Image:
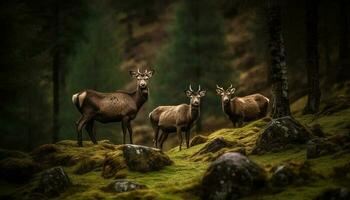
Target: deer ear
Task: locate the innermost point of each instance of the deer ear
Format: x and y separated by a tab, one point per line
202	93
133	73
188	93
219	91
232	90
150	73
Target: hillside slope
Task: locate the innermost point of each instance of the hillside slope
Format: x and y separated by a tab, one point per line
182	179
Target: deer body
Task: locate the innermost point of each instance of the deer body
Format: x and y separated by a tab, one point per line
119	106
243	109
179	118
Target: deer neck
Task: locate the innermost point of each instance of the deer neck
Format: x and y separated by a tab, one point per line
226	107
194	113
140	97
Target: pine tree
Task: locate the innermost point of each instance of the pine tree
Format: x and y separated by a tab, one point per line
277	67
195	55
314	92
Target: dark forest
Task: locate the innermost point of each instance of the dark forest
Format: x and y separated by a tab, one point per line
184	99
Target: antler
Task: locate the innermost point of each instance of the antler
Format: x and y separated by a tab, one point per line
191	88
199	88
230	86
138	71
220	88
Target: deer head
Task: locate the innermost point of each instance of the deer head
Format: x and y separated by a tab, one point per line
225	94
195	97
142	78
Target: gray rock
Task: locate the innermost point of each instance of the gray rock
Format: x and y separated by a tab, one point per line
122	185
53	181
282	176
231	176
279	134
144	159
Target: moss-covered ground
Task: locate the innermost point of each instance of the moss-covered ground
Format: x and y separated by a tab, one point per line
180	180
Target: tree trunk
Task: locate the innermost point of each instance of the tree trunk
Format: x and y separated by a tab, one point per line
344	58
277	67
314	93
56	75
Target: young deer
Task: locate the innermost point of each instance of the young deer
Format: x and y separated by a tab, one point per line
119	106
177	119
242	109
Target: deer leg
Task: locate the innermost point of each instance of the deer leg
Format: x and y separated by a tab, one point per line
188	138
90	129
163	137
155	140
79	127
179	135
124	130
128	125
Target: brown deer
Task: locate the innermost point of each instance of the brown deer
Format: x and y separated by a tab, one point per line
118	106
242	109
179	118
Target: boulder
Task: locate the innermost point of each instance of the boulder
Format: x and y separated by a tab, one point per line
215	145
279	134
122	185
282	176
339	193
198	139
319	147
53	182
231	176
144	159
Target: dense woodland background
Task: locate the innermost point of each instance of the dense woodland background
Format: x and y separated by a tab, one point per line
51	49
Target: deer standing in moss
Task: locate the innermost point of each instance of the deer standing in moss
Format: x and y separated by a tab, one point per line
118	106
242	109
179	118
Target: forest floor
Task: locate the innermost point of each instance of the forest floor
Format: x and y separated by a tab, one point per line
182	179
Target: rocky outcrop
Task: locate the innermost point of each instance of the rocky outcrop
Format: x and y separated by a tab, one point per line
279	134
291	172
53	182
122	185
144	159
231	176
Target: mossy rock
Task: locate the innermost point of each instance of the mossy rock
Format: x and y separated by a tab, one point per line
231	176
279	134
112	164
198	139
18	169
144	159
122	185
52	182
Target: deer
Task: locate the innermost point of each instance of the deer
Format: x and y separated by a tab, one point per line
242	109
119	106
177	118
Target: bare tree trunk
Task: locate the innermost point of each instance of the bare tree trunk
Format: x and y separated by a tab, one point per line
344	58
56	75
312	66
277	67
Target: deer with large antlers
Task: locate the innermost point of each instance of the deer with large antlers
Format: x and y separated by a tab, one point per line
242	109
179	118
119	106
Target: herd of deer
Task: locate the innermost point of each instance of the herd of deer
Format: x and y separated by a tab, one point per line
122	106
